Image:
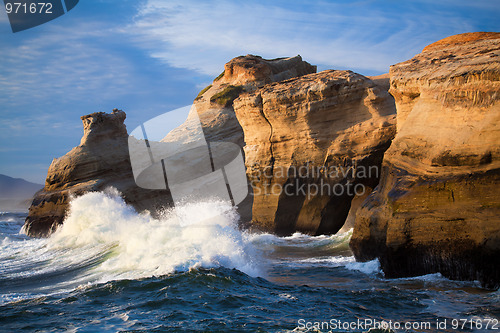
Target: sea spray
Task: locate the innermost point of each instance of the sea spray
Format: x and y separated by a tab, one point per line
140	246
54	283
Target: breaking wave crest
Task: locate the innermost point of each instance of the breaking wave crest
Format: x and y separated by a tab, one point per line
103	239
139	246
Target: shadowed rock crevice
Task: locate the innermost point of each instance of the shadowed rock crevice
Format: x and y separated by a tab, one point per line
271	153
332	120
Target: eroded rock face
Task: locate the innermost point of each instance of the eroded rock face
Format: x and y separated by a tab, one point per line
437	208
214	104
255	71
100	161
310	133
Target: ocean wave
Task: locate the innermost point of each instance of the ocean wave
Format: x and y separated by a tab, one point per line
301	240
142	246
10	217
369	267
103	239
300	251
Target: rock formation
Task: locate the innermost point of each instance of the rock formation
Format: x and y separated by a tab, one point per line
102	158
100	161
383	81
437	208
308	140
214	104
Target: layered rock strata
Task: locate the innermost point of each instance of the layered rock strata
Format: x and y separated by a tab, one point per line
437	208
311	143
214	104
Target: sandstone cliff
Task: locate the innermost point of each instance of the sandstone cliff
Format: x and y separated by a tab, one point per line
214	104
101	160
305	137
437	208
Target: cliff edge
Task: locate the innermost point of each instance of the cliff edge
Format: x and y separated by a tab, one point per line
437	207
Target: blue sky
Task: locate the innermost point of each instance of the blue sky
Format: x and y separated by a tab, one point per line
151	56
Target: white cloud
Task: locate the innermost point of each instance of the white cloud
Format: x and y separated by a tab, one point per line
203	35
41	123
62	64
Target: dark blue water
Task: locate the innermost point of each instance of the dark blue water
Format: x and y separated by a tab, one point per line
58	285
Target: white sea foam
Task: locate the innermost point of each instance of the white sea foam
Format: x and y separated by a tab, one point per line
329	261
348	262
369	267
434	277
311	245
141	246
104	239
301	240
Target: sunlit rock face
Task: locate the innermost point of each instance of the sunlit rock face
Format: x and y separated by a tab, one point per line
214	104
304	138
437	208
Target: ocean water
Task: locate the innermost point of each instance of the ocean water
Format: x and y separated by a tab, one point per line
109	269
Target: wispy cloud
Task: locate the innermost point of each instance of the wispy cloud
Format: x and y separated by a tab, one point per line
49	77
109	53
64	63
40	123
370	35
